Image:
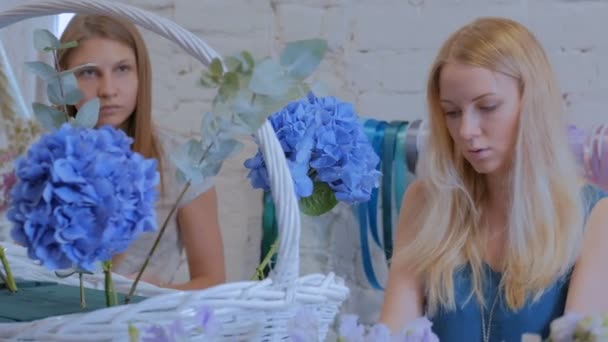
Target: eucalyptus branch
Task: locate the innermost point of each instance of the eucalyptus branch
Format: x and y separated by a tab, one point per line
61	92
162	230
259	271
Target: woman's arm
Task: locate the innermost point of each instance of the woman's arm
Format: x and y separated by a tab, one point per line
202	238
403	297
587	291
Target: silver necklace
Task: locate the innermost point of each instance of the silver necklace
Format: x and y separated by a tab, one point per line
487	327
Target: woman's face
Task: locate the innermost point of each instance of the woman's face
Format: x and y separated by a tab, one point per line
112	78
481	109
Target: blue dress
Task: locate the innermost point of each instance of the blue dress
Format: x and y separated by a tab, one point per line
464	322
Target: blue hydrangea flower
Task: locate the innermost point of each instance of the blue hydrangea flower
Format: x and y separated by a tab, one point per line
81	196
323	141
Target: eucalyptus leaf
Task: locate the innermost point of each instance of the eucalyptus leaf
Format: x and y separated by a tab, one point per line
247	61
42	70
215	68
269	78
320	202
49	117
209	125
233	64
64	90
230	86
302	57
186	160
44	40
88	114
208	81
210	168
67	45
226	149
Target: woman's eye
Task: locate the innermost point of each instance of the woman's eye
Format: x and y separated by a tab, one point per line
124	68
86	73
452	112
488	108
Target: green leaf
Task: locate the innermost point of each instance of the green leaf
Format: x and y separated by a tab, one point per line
208	81
44	40
302	57
269	78
230	86
67	45
186	160
225	149
42	70
64	90
320	202
247	61
233	64
133	333
88	114
215	68
49	117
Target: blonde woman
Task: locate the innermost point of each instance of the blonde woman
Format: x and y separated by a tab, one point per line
498	236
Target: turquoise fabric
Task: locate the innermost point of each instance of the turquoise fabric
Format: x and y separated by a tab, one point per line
464	322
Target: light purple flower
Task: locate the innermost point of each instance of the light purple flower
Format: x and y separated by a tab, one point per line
350	330
379	333
562	329
304	327
207	321
156	333
419	330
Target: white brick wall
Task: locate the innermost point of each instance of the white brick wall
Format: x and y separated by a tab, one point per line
379	54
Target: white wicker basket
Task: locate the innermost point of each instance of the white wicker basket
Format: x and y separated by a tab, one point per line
248	310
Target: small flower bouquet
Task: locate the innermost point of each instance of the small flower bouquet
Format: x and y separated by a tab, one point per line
329	155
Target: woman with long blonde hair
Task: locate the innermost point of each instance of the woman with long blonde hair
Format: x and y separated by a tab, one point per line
112	64
498	236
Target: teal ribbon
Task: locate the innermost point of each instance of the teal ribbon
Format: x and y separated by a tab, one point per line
400	168
375	133
270	230
389	182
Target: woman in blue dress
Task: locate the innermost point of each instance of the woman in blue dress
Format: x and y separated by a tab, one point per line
498	236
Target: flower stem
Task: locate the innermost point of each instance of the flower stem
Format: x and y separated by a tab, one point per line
109	284
259	271
83	301
162	231
156	242
10	281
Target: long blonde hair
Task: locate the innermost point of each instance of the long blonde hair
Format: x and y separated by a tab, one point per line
139	125
545	218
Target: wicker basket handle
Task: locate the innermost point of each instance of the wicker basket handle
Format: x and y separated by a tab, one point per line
281	183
